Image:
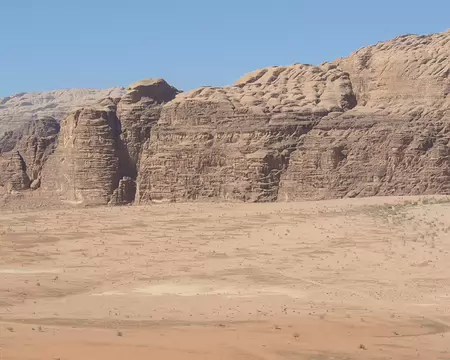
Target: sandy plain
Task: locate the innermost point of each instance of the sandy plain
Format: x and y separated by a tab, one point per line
340	279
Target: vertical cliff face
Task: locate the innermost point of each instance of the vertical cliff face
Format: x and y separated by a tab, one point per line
84	168
37	144
396	141
375	123
138	110
29	127
26	151
361	156
234	143
13	173
99	146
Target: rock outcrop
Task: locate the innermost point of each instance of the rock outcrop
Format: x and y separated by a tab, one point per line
99	146
28	147
234	142
29	127
138	110
125	192
13	173
396	141
375	123
19	109
84	168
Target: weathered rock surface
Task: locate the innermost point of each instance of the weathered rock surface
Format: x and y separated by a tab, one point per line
17	110
234	142
396	141
99	146
37	143
375	123
13	173
29	127
30	146
84	168
138	110
125	192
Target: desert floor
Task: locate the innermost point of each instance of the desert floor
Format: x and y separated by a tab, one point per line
341	279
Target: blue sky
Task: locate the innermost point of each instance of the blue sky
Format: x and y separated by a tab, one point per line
57	44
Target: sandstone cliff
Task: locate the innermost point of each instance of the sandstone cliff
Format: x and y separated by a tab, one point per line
84	168
396	141
17	110
138	110
99	146
375	123
235	142
29	127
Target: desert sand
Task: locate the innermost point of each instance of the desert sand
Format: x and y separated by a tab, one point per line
364	278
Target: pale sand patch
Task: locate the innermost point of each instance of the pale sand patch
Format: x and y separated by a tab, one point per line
19	271
213	289
109	293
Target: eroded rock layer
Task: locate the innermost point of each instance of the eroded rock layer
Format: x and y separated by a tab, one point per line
18	109
13	173
138	110
84	168
396	141
375	123
28	148
100	145
29	127
234	143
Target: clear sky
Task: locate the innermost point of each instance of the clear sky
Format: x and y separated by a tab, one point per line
58	44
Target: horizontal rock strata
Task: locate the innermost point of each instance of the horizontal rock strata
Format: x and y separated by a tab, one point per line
374	123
